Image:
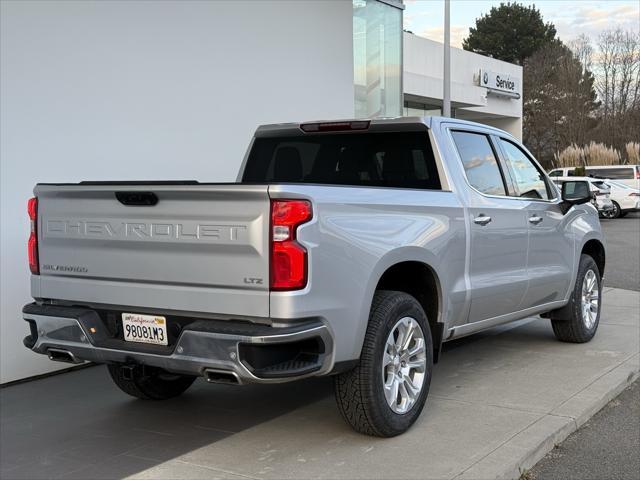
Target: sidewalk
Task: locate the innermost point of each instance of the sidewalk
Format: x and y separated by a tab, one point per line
498	402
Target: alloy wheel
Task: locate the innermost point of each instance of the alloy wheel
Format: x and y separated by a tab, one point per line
404	364
590	299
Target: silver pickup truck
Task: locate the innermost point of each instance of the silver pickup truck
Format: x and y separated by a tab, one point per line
351	248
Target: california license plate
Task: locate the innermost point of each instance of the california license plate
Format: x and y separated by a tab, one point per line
144	328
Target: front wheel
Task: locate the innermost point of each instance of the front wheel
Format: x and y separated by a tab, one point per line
149	383
384	395
584	307
615	212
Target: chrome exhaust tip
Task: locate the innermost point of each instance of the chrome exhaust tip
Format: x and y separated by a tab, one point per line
226	377
59	355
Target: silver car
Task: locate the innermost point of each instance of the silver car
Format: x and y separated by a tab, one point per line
353	248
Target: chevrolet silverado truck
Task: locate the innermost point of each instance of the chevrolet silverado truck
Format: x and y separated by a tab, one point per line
351	248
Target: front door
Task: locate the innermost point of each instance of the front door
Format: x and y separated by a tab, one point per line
551	245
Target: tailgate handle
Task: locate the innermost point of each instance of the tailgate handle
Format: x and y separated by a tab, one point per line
137	199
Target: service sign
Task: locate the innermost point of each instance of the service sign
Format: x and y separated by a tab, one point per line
500	83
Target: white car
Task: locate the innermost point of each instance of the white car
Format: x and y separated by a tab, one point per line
624	198
627	174
599	189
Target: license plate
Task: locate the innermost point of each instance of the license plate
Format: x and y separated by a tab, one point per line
144	328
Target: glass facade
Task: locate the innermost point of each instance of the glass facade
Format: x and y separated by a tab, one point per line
377	59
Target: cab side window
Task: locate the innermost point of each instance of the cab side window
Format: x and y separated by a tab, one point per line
480	163
529	180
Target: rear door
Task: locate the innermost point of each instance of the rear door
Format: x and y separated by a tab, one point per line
551	245
499	232
184	247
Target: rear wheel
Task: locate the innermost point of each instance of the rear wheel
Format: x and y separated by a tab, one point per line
584	308
149	383
385	393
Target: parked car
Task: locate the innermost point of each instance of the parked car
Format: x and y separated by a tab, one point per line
624	199
599	189
351	248
627	174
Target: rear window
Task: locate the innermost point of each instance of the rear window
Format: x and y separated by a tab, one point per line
622	173
383	159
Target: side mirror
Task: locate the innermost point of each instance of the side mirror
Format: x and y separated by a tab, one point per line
575	193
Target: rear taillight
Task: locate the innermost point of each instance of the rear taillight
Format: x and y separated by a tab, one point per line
637	173
288	257
32	208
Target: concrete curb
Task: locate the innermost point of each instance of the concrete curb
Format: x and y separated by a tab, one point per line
525	449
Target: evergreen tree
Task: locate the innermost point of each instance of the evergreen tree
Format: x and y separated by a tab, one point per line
510	32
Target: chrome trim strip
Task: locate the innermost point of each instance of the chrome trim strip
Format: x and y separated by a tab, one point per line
473	327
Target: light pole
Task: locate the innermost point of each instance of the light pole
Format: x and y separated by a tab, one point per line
446	76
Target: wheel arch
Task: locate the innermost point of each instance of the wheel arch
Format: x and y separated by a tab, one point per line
595	249
418	277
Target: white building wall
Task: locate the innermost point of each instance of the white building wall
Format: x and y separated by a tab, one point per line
110	90
423	71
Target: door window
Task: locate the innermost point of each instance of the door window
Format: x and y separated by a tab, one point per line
480	163
530	181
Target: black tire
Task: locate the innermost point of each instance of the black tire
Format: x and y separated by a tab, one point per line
360	392
574	327
150	383
615	213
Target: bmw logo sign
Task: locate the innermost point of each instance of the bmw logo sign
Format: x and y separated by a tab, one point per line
485	78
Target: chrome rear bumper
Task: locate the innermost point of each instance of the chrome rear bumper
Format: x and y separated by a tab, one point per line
198	350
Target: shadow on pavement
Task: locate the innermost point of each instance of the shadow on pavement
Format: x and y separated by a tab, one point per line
79	425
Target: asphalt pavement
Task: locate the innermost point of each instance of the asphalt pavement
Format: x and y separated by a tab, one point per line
623	251
607	446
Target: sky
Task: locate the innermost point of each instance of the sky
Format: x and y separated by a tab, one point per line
571	17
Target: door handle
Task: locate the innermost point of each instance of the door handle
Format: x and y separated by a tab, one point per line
535	219
482	220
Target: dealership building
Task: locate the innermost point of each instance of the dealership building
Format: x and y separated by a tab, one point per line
173	90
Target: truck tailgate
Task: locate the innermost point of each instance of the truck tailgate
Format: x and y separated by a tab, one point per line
200	248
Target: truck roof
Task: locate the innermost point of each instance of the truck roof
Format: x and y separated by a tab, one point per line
375	124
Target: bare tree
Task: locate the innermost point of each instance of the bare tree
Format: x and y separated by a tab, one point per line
617	70
583	50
